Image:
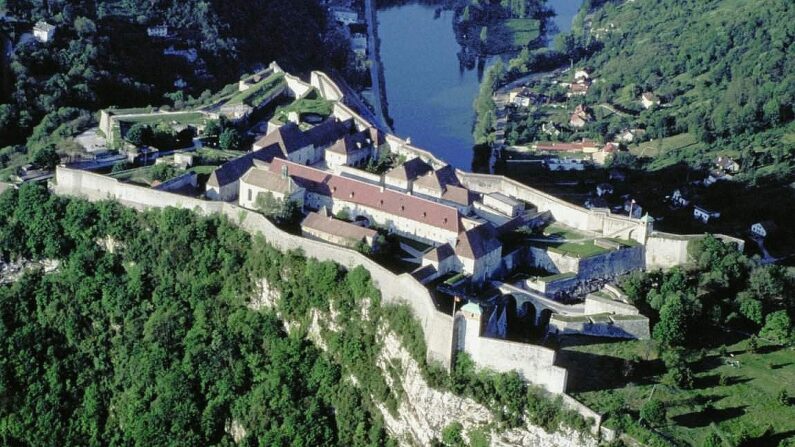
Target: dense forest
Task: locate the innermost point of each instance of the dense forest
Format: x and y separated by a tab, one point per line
143	336
101	54
722	70
149	330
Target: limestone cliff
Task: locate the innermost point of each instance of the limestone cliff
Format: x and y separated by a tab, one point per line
423	412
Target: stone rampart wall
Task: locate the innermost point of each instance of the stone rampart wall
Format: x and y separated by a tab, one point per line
633	327
595	304
595	222
535	363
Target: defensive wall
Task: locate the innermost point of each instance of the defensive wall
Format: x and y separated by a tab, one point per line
583	219
534	362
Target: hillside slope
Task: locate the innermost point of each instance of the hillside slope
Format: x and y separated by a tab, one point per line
723	70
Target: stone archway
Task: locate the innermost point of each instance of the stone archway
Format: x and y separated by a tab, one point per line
543	319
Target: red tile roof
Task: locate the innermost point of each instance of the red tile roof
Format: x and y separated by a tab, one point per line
336	227
372	196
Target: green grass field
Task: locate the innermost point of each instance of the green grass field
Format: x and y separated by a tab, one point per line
186	118
728	397
257	93
583	249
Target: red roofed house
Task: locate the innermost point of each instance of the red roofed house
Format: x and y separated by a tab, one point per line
408	215
306	147
327	228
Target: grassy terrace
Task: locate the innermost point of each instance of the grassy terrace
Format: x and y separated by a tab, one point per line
739	398
583	249
318	106
153	119
558	277
257	93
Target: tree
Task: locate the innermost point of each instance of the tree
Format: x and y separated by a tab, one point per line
671	330
712	440
451	434
653	412
778	327
213	128
139	134
46	158
229	139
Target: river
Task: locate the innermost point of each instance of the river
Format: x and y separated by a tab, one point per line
429	94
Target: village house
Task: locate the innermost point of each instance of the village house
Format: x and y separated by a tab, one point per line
157	31
522	97
564	164
680	197
579	89
345	16
580	117
600	157
763	229
43	31
649	100
604	189
727	164
596	203
584	145
322	226
630	135
581	75
550	129
632	208
704	215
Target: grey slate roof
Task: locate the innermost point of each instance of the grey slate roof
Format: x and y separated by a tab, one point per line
477	242
232	170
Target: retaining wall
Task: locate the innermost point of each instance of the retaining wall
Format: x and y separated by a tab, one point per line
583	219
532	361
618	326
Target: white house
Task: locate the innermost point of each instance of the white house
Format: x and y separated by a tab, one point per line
259	181
581	75
649	100
346	16
604	189
763	229
157	31
43	31
680	198
703	215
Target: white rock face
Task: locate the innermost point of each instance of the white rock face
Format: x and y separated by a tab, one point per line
265	297
424	412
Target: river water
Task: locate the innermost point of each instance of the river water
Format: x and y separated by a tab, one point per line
429	93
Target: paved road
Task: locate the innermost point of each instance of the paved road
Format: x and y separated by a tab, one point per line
375	64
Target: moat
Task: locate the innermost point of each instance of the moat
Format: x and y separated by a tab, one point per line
429	93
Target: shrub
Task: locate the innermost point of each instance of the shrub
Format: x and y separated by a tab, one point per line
653	412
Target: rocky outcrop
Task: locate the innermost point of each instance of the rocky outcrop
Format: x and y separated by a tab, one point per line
424	412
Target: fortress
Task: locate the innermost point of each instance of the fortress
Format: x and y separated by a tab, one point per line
463	217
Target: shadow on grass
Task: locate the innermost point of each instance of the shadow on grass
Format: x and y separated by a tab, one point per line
594	372
713	381
708	416
769	440
780	365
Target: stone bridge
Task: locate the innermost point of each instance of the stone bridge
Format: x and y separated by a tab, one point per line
542	307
